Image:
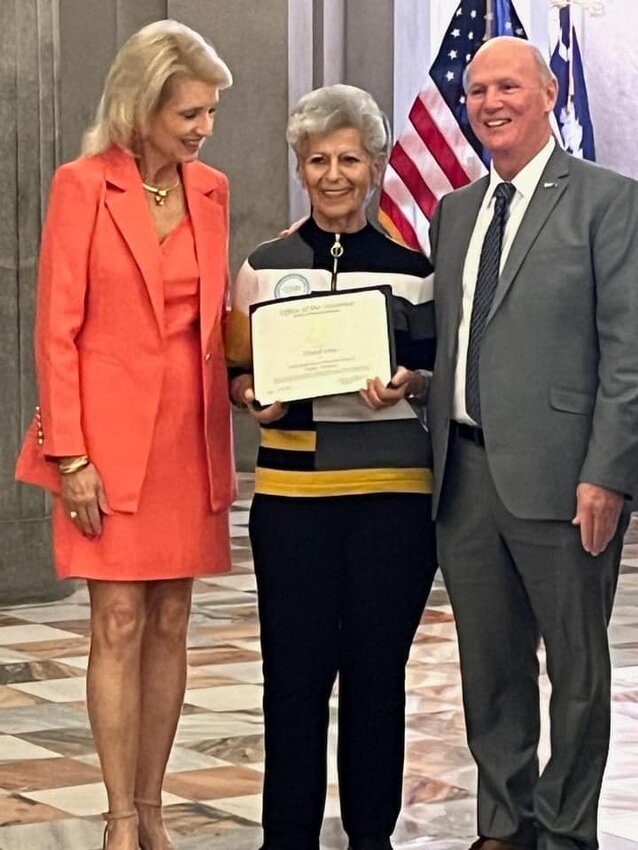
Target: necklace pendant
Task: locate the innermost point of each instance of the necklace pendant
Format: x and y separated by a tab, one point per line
159	195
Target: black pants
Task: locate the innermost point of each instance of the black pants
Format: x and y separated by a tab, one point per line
342	584
512	581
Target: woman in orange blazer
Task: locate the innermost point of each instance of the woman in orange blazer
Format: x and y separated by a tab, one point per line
132	434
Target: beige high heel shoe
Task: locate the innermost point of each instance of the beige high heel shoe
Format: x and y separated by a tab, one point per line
152	804
109	817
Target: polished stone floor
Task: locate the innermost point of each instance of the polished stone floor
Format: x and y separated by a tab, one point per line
50	790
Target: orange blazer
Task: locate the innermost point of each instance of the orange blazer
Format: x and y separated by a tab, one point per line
99	326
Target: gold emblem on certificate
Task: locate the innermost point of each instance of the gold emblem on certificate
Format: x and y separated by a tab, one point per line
321	344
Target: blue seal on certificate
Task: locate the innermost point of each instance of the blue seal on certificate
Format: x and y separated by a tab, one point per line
292	284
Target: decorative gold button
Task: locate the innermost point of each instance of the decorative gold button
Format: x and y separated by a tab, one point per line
40	441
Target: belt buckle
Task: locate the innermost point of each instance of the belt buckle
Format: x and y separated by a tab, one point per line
469	432
476	436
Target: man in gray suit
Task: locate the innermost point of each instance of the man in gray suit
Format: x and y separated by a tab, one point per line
533	410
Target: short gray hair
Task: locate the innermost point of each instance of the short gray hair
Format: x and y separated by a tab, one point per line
339	107
544	71
139	81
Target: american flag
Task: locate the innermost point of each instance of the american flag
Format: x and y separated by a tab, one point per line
438	151
572	106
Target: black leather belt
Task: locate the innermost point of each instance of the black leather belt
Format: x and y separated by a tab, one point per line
467	432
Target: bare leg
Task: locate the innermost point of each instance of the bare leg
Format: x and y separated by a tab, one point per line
113	696
163	683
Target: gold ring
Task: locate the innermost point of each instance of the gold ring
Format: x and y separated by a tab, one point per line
73	514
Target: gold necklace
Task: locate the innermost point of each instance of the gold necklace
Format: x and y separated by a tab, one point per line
159	194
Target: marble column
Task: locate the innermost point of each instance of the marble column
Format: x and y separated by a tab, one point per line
91	31
249	142
28	154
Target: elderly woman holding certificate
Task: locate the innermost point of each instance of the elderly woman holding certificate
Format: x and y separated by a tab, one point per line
340	523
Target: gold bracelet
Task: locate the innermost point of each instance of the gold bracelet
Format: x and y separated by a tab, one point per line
66	467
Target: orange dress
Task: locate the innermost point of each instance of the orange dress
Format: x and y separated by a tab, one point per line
173	534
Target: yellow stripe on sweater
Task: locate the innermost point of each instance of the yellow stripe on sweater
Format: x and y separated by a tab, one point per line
294	441
342	482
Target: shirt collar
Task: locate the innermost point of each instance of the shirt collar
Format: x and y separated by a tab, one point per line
526	181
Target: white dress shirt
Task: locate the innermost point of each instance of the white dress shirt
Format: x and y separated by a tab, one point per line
525	184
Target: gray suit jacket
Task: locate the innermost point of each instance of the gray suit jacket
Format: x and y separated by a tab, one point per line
559	360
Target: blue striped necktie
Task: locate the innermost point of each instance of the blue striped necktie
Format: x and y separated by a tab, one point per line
486	283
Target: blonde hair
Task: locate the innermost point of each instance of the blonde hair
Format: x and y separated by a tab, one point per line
139	81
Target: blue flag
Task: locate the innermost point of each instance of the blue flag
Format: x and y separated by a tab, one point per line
572	106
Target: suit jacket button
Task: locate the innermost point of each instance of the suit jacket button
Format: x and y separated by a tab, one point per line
207	356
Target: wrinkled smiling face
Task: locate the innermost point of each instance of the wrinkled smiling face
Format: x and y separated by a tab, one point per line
338	174
177	131
509	103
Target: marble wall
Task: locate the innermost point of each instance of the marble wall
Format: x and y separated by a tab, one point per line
29	150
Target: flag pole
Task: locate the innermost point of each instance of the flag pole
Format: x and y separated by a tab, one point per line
489	20
570	56
569	106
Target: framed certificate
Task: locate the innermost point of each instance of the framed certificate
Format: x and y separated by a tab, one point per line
321	344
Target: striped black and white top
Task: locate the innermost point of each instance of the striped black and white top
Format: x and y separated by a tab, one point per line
336	445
